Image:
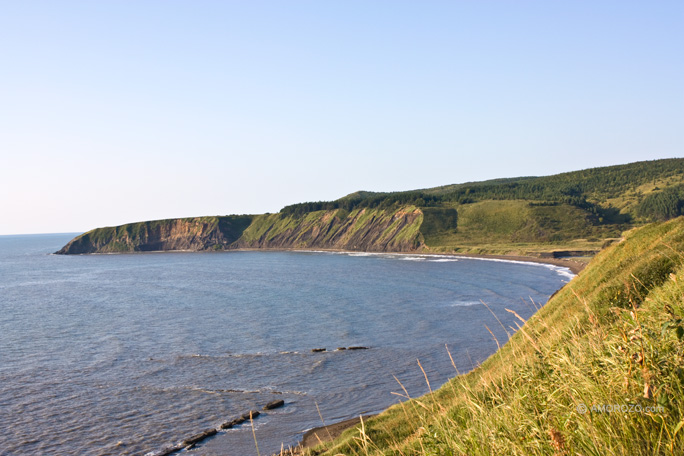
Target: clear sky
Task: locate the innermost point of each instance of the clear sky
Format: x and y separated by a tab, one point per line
120	111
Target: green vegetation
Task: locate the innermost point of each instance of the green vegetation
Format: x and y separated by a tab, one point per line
612	193
614	336
497	226
576	212
663	205
360	229
199	233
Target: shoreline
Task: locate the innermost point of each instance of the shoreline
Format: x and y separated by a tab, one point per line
574	265
329	432
325	433
322	434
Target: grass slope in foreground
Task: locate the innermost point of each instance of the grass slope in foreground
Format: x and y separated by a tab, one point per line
612	336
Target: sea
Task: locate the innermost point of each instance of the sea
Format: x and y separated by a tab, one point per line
128	354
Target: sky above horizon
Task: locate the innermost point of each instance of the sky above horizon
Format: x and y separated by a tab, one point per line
117	112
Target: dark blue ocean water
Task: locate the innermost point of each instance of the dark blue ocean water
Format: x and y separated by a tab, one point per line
124	354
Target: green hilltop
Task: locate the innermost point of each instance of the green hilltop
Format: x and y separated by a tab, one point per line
574	213
577	210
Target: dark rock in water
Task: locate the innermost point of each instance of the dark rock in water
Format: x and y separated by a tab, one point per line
168	451
245	416
317	350
190	447
199	437
227	425
238	420
358	348
340	348
274	404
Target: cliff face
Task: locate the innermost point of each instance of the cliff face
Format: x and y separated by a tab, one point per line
370	230
373	230
201	233
492	224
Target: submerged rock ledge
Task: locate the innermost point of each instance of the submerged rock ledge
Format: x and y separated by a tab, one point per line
190	442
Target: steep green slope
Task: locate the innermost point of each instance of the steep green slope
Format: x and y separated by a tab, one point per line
362	229
598	370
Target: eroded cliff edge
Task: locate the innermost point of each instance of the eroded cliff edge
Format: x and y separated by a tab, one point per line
373	230
199	233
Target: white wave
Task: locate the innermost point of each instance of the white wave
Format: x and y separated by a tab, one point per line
464	303
560	270
566	273
332	252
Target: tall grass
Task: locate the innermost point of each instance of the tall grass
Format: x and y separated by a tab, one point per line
598	370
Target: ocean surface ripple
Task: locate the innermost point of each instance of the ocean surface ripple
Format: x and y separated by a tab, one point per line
127	354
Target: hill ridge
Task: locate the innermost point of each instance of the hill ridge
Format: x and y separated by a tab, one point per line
571	211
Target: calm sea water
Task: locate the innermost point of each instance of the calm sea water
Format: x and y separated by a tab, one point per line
124	354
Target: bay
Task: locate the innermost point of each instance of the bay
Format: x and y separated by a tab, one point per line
124	354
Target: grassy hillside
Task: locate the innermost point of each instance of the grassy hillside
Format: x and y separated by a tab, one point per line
392	229
612	337
522	227
576	212
613	194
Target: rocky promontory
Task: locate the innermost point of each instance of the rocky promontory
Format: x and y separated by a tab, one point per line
375	230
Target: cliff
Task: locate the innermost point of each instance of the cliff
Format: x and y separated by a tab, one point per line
376	230
495	227
577	212
201	233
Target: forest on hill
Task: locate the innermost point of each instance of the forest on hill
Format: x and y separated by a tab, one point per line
641	191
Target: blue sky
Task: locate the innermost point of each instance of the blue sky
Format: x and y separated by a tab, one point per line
121	111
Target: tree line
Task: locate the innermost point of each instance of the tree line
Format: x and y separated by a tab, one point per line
584	189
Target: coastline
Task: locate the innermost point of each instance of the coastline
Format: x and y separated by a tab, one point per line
574	265
329	432
314	436
322	434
